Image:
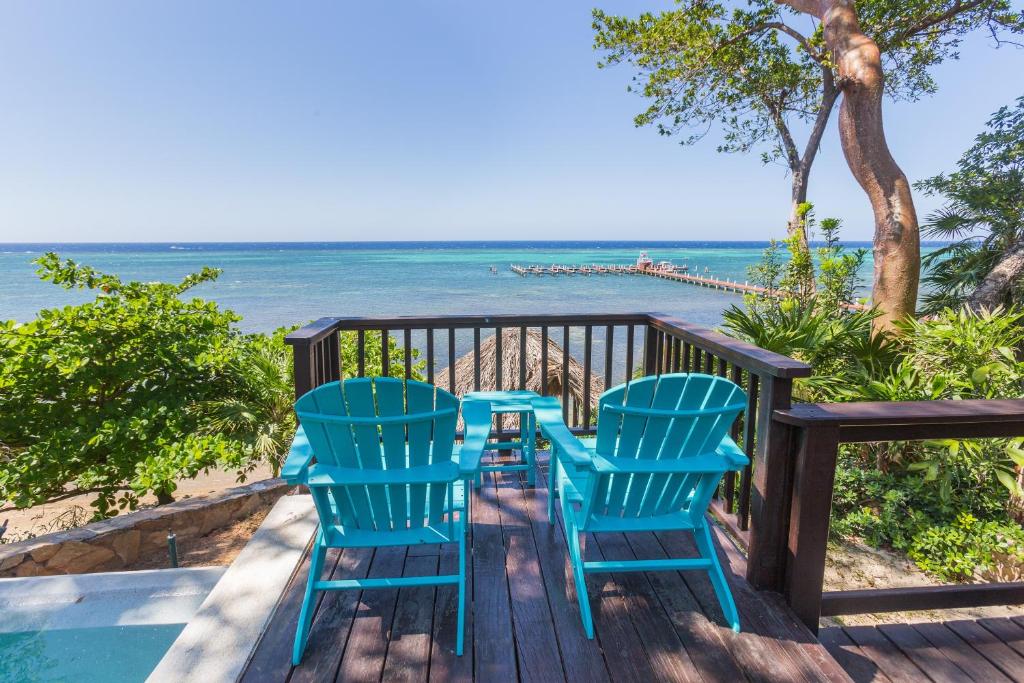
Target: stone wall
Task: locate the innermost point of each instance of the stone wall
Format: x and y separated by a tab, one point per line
116	543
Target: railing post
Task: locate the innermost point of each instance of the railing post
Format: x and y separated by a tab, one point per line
650	350
813	479
303	364
773	478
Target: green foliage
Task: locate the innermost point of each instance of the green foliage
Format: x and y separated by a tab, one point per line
802	314
142	387
703	64
95	397
944	535
983	214
752	70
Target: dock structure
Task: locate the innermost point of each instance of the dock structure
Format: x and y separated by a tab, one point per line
725	285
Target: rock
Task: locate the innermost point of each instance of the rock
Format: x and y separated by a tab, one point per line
11	561
45	552
76	557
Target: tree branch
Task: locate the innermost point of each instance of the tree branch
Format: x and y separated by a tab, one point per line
792	156
829	95
782	28
925	24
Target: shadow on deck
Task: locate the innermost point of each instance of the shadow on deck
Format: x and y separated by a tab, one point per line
524	622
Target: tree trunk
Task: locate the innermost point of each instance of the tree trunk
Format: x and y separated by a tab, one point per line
796	224
163	498
897	241
992	291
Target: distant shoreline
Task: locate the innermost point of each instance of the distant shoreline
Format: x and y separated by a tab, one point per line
410	244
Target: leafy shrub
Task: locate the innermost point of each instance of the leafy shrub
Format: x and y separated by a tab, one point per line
140	388
95	397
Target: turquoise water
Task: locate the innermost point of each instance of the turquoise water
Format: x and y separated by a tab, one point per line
85	655
272	285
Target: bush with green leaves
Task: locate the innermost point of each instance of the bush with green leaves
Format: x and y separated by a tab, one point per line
140	388
95	398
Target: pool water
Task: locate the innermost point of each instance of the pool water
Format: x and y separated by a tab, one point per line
85	655
96	627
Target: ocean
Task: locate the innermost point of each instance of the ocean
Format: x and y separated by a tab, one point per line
276	284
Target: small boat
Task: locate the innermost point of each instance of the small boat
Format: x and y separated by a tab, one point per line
643	262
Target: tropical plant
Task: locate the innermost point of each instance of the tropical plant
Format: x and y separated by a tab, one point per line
984	216
94	398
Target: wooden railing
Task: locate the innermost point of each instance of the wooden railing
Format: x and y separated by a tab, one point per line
611	349
809	436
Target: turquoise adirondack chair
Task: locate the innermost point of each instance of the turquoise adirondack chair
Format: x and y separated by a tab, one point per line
662	447
379	458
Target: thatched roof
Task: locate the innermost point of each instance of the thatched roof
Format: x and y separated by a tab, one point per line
511	363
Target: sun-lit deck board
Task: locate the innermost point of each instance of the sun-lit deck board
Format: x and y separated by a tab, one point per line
985	650
525	621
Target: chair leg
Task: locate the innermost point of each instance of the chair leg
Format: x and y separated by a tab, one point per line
316	566
462	595
552	483
718	581
529	441
572	537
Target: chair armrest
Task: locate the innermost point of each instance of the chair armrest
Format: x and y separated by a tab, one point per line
476	419
733	453
299	457
726	458
549	417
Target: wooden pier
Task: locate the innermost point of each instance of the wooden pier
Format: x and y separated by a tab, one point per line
725	285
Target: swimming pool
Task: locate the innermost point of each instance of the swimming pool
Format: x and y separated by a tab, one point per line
96	627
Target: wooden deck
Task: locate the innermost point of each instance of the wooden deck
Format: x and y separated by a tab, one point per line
524	623
983	650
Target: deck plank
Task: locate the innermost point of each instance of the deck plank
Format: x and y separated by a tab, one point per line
536	643
884	653
921	652
333	622
408	655
773	642
704	640
494	656
445	665
1006	630
850	657
272	660
664	649
990	647
959	652
363	659
582	659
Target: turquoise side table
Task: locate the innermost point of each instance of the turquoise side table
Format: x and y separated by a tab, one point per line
508	402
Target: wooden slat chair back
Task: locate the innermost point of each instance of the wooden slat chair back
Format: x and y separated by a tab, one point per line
661	450
671	418
384	475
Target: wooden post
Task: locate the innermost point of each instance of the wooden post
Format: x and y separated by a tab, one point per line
651	350
770	498
813	479
302	361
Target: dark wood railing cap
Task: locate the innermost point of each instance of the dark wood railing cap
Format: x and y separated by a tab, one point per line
733	350
881	413
312	332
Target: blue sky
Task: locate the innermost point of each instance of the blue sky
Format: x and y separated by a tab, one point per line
197	120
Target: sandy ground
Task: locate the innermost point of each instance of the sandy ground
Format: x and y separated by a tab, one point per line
65	514
851	566
219	547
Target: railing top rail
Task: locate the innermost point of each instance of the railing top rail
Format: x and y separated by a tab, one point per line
733	350
891	413
312	332
324	326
